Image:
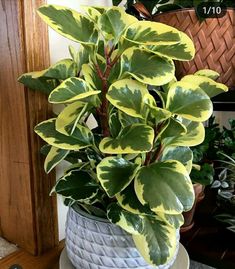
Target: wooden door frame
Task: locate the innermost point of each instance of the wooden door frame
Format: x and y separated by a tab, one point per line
35	50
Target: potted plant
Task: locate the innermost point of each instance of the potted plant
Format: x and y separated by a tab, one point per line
205	33
132	168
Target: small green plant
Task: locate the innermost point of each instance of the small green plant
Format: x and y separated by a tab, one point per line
133	166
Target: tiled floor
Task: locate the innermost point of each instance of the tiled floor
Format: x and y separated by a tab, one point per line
196	265
6	248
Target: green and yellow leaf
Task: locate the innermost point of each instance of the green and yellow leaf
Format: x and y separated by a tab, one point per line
43	84
157	70
208	85
114	22
189	101
136	138
54	157
128	221
128	96
194	134
127	120
128	200
207	73
77	185
165	179
72	89
152	33
157	243
92	13
115	174
69	23
47	131
175	221
181	154
70	115
182	51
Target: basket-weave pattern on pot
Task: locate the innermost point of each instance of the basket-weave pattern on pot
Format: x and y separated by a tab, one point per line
214	39
94	243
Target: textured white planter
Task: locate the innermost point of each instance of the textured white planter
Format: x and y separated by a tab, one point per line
95	243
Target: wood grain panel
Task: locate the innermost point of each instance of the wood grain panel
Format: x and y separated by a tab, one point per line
16	208
37	58
28	215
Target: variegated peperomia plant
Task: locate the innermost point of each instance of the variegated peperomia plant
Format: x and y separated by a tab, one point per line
134	167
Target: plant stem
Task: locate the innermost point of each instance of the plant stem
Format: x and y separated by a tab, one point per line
103	110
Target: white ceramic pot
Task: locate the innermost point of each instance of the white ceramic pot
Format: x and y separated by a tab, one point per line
95	243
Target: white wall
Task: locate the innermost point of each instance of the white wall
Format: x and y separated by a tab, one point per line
59	50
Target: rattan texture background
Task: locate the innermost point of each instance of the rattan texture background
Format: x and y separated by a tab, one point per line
214	39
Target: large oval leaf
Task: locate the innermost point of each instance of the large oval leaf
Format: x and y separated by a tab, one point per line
157	70
69	23
158	241
209	86
136	138
183	51
128	96
152	33
189	101
114	22
165	187
47	131
77	185
115	174
72	89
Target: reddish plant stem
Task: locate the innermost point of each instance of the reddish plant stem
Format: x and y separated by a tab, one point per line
103	110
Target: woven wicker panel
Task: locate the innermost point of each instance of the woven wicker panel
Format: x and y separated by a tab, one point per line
214	40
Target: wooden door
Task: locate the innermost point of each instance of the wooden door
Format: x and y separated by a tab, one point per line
27	213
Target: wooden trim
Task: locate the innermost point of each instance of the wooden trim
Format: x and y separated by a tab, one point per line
49	260
36	50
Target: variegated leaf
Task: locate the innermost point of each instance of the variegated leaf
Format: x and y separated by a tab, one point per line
47	131
127	120
181	154
128	96
128	200
157	243
165	179
183	51
72	89
78	186
128	221
91	77
189	101
207	73
70	115
43	84
92	13
209	86
80	57
135	138
114	22
152	33
175	221
157	70
193	135
114	124
69	23
54	157
115	174
61	70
